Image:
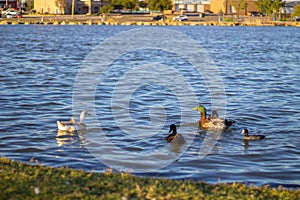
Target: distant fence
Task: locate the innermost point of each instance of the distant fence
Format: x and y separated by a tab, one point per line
124	12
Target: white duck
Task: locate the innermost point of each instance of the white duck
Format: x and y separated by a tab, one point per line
72	125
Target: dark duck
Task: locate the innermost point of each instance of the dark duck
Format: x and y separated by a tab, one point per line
251	137
174	136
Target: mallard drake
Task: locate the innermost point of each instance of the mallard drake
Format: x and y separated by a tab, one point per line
72	125
174	136
251	137
213	121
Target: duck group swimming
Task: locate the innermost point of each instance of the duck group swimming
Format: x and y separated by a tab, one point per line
211	122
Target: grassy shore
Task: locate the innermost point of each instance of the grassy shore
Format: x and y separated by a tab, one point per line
117	19
24	181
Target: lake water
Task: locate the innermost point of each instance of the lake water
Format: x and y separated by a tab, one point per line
134	93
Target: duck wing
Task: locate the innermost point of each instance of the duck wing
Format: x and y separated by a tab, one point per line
63	127
258	137
217	123
170	137
220	123
178	139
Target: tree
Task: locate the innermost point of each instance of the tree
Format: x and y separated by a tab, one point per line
61	5
106	9
29	4
160	5
239	5
277	5
264	6
117	4
129	4
296	11
143	4
269	6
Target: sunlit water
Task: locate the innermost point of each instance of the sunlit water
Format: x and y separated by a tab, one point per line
260	70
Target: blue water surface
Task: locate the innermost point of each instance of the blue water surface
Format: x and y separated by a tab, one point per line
259	67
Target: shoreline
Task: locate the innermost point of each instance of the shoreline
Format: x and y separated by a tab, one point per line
20	180
140	20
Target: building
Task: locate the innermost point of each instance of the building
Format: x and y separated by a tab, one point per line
226	7
80	6
197	6
289	7
9	4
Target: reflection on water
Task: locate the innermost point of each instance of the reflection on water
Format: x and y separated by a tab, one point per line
246	144
176	147
64	137
262	94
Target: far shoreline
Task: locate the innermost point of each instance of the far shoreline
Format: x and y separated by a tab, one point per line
144	20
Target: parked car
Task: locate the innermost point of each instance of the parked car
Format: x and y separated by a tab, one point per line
18	15
209	13
157	17
255	14
181	18
10	16
11	12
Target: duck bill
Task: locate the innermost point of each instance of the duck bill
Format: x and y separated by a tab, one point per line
196	108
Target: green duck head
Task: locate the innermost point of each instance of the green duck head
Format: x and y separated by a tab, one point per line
201	109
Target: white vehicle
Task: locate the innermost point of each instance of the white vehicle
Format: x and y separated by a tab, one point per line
10	16
11	12
181	18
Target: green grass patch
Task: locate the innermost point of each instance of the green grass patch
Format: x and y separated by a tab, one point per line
24	181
